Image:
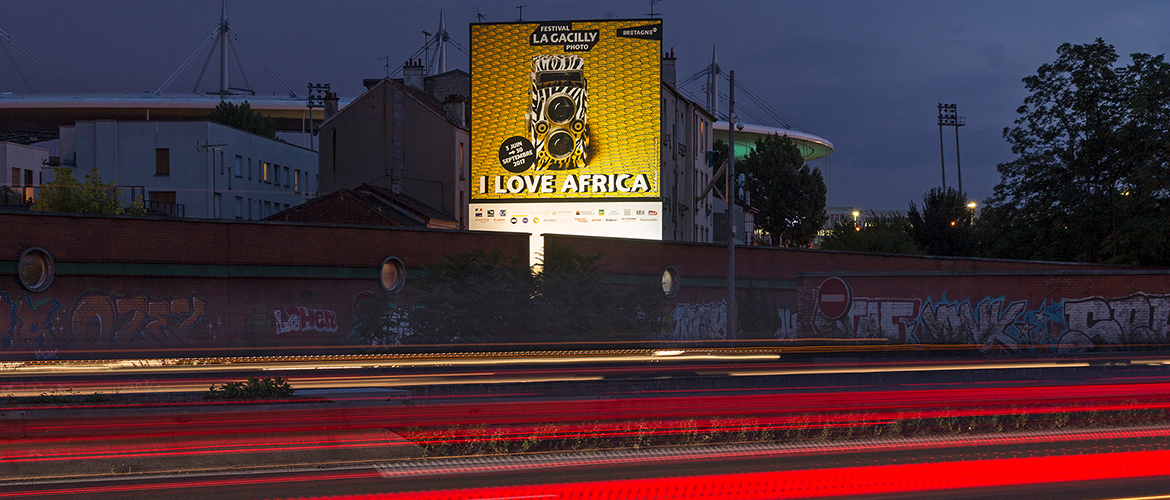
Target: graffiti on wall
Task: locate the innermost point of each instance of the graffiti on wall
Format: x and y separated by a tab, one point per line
108	318
871	318
393	321
702	321
996	323
708	321
789	324
304	319
140	319
98	318
28	325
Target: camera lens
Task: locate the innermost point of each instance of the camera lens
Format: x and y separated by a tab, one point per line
560	144
560	109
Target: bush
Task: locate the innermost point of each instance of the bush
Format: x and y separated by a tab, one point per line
266	388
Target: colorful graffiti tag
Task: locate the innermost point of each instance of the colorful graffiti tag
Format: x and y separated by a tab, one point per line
99	318
103	317
28	325
871	318
995	323
304	319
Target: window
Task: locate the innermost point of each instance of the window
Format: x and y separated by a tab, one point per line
264	172
267	209
461	175
239	166
670	282
239	207
34	268
249	209
221	163
162	161
297	180
216	208
249	174
28	178
285	176
392	274
16	177
164	201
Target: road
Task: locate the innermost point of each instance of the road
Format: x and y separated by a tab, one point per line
181	450
1120	465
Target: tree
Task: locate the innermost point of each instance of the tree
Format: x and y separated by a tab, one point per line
789	195
487	298
944	225
244	118
879	234
1090	181
65	194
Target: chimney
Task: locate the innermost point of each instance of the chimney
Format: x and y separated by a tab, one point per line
412	73
330	105
456	108
668	74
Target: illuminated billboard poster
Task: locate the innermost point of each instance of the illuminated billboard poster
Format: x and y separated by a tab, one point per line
566	110
566	127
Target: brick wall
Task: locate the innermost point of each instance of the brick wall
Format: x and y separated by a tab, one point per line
184	287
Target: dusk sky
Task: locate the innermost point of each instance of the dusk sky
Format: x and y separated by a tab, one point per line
866	75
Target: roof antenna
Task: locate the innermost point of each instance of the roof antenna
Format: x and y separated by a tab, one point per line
521	7
652	13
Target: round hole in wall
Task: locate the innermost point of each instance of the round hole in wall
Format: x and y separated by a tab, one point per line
35	269
393	274
670	281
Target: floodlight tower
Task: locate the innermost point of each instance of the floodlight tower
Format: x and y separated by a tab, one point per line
948	117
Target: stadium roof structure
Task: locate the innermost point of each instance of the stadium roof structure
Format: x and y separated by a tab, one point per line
812	147
39	111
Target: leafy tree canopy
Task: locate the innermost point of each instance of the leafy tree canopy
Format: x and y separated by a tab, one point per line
943	227
65	194
879	233
1091	178
485	298
789	195
244	118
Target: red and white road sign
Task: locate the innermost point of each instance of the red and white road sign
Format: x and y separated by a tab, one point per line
834	298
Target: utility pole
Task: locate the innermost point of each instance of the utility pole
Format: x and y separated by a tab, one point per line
731	209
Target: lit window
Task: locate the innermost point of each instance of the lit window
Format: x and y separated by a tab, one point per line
297	180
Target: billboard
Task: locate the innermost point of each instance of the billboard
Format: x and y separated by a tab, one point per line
566	110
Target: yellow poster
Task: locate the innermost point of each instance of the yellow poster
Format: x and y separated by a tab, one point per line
566	110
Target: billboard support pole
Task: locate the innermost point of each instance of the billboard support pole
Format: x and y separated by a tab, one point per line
731	210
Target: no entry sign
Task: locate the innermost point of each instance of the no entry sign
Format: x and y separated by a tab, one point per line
834	298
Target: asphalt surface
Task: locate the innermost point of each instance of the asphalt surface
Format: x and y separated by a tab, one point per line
567	469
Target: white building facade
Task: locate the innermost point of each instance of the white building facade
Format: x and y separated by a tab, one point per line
686	138
20	167
193	169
